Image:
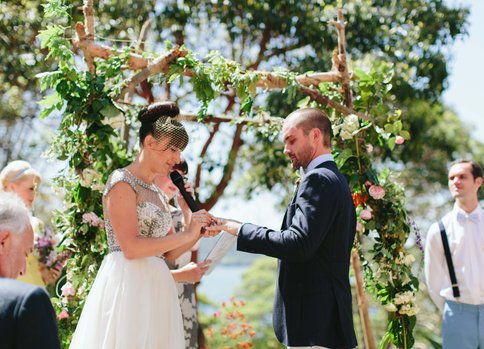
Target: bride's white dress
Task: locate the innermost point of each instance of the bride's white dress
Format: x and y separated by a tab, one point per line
133	304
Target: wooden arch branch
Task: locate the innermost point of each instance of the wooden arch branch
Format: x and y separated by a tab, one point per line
159	65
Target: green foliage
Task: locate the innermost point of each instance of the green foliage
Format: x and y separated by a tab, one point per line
257	289
92	147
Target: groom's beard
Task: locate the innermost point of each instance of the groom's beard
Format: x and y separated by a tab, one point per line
302	159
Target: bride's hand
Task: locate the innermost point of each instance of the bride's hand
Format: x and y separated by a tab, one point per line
199	220
229	225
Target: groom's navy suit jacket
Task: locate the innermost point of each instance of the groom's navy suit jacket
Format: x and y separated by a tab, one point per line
27	319
313	297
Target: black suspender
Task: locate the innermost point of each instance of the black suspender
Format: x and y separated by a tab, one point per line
448	257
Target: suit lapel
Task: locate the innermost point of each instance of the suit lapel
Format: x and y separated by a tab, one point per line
331	165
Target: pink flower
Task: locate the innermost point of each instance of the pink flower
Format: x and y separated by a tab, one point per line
376	192
63	315
92	219
368	183
366	215
399	140
369	148
68	289
360	228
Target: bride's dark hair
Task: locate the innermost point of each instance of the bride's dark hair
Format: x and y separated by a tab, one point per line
159	120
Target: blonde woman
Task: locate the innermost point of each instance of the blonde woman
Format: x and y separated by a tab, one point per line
20	178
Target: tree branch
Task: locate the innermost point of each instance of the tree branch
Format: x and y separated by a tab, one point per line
203	152
159	65
89	19
342	67
93	49
145	90
318	97
89	35
266	35
272	53
228	170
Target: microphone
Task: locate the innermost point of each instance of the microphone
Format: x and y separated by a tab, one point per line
177	179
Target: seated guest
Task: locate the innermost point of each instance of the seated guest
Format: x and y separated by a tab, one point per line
27	319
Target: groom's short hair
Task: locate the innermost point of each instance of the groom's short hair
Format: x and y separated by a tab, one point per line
311	118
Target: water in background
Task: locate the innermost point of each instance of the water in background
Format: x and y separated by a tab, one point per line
220	285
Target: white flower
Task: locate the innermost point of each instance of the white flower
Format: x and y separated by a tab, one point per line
98	187
91	179
348	128
81	290
404	298
390	307
409	259
408	309
114	122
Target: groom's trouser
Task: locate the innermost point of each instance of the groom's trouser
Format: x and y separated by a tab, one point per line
463	326
307	348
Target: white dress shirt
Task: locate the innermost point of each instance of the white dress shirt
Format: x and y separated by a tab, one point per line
315	162
465	234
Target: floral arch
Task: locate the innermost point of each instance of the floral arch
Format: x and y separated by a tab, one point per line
93	134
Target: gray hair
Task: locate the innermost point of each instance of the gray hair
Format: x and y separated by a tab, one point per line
14	216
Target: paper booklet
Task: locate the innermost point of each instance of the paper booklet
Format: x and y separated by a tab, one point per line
219	250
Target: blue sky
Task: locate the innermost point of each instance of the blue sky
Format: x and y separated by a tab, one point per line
465	93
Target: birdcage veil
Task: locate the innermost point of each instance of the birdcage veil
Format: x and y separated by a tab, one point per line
160	120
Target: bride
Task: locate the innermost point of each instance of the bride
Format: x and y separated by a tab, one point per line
133	302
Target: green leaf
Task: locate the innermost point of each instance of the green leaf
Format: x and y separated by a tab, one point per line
391	143
303	102
389	128
342	157
405	134
385	341
110	111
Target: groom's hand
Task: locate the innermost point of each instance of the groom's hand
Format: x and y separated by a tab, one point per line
229	225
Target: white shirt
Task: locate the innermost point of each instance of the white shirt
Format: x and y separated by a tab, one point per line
466	242
318	160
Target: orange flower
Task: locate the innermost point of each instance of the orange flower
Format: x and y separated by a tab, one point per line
359	199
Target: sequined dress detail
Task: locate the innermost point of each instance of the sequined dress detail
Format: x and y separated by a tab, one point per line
133	303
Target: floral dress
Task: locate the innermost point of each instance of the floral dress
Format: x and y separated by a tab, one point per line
186	291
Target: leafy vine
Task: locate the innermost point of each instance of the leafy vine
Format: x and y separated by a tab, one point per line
90	142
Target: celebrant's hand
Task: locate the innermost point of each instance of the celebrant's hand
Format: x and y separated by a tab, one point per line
193	272
231	226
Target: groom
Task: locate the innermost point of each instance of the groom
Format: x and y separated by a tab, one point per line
312	307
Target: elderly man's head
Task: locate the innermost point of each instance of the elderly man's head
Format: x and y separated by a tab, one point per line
16	235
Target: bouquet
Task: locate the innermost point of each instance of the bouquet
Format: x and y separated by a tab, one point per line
45	249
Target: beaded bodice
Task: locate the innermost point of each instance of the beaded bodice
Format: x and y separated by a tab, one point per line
154	217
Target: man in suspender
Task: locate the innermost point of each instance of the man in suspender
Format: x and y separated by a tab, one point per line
455	273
